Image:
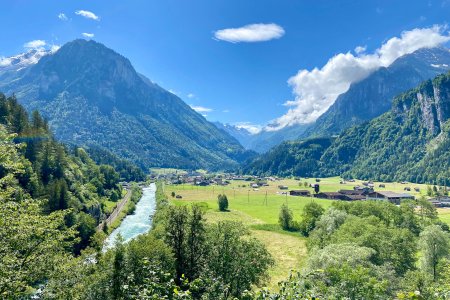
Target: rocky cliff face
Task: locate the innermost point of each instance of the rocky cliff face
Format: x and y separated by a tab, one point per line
373	96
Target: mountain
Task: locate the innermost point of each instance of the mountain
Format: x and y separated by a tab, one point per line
410	142
266	139
93	96
372	96
241	134
297	158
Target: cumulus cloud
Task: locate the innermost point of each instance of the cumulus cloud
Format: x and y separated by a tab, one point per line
250	33
190	95
87	14
88	35
201	109
316	90
62	17
36	44
250	127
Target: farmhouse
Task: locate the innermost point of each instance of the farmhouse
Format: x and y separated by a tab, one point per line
329	195
440	201
283	187
389	196
353	197
305	193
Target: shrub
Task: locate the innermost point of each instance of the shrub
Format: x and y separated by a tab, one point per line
285	217
222	200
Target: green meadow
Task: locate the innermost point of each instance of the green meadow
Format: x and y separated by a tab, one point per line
259	209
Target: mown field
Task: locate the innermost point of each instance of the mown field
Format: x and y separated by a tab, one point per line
259	209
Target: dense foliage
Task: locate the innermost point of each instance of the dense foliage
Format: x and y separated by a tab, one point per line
181	258
372	250
297	158
64	180
409	143
126	169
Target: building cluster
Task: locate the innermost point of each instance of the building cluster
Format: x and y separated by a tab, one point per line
365	192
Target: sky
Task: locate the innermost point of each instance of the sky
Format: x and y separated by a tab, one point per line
250	63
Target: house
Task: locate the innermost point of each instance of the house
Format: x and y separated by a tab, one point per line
329	195
389	196
352	197
203	183
254	185
407	189
352	192
304	193
364	190
440	201
283	187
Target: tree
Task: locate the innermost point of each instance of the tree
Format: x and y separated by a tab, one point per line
285	218
311	213
239	260
222	200
196	244
434	245
176	224
427	211
173	194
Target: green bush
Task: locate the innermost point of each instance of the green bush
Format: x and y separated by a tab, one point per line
222	200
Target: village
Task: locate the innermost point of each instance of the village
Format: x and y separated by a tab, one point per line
354	190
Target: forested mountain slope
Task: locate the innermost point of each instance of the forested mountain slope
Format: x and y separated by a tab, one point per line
49	172
410	142
93	96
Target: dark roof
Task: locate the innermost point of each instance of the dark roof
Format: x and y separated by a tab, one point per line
389	194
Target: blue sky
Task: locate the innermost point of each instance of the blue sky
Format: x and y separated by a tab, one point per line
173	43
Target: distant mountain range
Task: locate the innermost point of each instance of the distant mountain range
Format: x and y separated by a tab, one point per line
93	96
409	142
364	100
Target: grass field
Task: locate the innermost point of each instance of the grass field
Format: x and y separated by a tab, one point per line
259	209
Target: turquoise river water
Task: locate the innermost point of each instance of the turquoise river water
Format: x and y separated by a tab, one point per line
138	223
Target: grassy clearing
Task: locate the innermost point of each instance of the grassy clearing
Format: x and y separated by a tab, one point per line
444	215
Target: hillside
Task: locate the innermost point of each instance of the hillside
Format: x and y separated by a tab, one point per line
93	96
298	158
372	96
410	142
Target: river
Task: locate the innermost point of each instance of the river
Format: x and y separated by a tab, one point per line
138	223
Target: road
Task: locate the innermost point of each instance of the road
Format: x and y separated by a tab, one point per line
116	212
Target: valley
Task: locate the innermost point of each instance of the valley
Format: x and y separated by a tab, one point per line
179	150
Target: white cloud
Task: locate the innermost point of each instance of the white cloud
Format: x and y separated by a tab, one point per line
36	44
190	95
316	90
201	109
226	110
252	128
62	16
54	48
250	33
360	49
88	35
87	14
